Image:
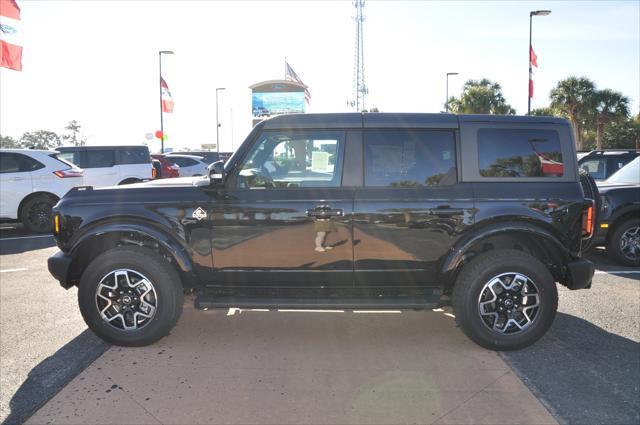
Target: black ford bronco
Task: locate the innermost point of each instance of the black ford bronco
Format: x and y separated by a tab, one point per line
349	211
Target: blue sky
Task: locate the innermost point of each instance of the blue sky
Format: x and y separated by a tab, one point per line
97	61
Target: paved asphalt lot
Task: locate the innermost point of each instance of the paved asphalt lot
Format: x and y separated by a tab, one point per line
585	370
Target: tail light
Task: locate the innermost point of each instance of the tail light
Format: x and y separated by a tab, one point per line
588	223
63	174
154	173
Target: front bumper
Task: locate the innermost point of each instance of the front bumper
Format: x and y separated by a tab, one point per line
580	273
59	264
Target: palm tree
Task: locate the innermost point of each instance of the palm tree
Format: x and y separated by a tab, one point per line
574	97
481	97
610	106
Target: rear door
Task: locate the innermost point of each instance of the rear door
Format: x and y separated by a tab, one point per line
15	181
99	167
284	218
411	209
133	163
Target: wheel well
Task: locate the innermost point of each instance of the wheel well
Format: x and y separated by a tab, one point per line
35	195
536	246
99	244
129	181
624	217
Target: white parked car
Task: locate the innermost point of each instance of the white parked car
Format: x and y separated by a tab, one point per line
31	183
110	165
190	165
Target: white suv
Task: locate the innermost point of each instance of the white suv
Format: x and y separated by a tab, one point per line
110	165
31	182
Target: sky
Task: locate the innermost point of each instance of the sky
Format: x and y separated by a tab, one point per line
97	61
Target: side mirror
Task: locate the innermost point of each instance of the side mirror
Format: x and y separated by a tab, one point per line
216	173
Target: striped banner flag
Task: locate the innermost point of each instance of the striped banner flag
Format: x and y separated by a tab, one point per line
10	35
167	100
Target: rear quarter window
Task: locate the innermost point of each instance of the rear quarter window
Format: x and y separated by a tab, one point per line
504	152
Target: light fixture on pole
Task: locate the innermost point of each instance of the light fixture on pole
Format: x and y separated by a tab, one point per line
529	91
160	53
217	122
446	103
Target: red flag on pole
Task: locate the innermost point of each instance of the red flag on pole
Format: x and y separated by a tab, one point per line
531	86
167	100
533	57
10	35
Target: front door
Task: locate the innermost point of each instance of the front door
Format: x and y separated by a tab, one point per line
284	219
411	209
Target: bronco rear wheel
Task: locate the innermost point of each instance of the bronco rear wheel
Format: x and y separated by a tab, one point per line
130	296
505	299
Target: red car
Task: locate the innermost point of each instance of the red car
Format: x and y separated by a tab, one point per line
167	168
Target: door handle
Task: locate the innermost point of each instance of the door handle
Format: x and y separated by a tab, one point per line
325	211
445	211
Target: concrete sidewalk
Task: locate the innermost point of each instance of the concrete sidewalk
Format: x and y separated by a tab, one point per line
300	367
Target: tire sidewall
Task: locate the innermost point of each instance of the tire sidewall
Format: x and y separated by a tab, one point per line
614	243
168	295
548	297
27	207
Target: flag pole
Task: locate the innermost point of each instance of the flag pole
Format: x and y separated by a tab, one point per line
161	122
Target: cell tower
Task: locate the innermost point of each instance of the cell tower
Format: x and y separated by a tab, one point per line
359	88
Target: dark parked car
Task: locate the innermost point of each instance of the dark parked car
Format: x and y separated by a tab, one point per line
618	227
343	211
603	164
167	168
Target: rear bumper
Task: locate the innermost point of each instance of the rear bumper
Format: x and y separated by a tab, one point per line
59	264
580	273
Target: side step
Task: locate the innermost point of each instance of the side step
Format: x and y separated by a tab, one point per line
203	302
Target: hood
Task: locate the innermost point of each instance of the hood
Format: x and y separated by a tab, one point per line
172	182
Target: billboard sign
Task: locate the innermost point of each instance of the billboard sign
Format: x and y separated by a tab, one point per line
265	104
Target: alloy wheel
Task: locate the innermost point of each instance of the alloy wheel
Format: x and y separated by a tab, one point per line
630	243
509	303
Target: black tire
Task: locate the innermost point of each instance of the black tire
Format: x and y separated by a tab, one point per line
36	214
168	295
614	243
470	285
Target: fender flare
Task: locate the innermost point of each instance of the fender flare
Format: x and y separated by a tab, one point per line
458	252
177	250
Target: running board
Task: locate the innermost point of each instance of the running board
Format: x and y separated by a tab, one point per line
204	303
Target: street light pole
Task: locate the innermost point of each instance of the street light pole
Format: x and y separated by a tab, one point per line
531	15
217	122
160	53
446	103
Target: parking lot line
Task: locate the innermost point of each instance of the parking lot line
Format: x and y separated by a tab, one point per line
13	270
26	237
617	271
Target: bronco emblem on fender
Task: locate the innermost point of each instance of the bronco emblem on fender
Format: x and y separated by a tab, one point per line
199	213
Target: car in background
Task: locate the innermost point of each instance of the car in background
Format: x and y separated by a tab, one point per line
166	169
618	223
190	165
110	165
31	183
207	156
604	163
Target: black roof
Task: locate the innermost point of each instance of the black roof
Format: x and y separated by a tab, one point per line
385	119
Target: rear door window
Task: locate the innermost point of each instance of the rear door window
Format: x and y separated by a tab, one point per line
504	152
99	158
133	156
17	163
596	167
409	158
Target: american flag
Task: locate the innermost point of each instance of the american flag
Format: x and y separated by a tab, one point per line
291	75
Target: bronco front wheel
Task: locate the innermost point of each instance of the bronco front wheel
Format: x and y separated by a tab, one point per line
505	299
130	296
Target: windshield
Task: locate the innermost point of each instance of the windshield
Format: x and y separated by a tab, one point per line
630	173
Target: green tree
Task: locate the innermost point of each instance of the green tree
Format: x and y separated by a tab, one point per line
623	134
574	97
609	106
8	142
547	111
73	137
481	97
41	139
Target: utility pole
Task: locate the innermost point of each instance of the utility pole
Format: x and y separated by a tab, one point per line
359	87
217	121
